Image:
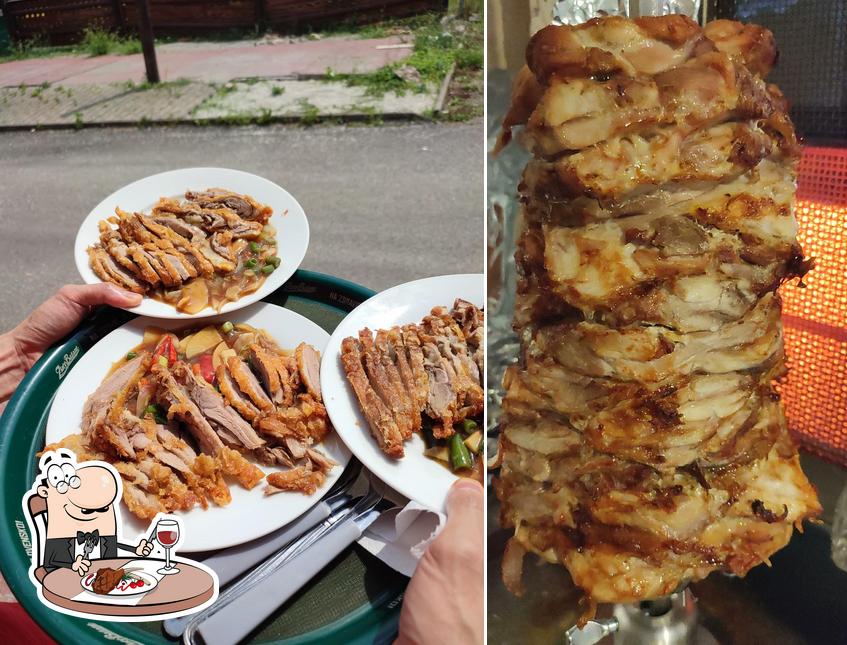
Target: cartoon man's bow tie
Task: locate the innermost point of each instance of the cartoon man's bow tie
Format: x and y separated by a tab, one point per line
89	538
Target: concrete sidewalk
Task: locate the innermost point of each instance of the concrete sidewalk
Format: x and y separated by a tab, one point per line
214	62
233	83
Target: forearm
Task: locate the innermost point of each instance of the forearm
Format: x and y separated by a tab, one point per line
13	366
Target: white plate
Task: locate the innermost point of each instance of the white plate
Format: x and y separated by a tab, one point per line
87	582
292	228
416	476
250	514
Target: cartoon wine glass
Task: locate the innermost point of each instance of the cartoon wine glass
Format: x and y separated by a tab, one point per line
167	534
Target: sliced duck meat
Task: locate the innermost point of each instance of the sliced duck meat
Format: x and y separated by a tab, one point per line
309	367
117	248
234	396
443	331
441	398
139	495
221	264
320	461
274	456
189	254
243	205
401	359
169	274
248	383
379	416
209	479
98	403
216	411
183	408
306	421
193	234
105	267
268	367
412	343
149	266
383	384
220	243
296	448
183	270
175	444
388	358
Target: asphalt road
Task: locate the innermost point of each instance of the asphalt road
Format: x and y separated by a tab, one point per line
385	204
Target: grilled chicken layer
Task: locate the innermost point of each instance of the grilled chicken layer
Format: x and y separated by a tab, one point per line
642	442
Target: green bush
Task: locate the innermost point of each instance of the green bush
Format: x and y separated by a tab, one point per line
98	42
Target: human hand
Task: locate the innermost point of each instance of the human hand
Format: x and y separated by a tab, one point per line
444	600
81	565
144	548
51	321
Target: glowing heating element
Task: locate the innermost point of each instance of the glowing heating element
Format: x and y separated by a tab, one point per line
815	318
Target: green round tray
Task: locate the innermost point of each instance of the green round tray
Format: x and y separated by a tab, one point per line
356	599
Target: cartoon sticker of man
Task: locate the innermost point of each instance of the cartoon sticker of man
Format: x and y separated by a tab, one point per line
81	521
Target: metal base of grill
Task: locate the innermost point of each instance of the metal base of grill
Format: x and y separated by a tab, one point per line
672	620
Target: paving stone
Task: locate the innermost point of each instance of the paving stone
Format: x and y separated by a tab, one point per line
213	62
123	103
296	98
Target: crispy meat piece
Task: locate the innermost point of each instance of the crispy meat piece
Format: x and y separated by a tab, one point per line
233	464
577	113
234	396
248	383
412	344
106	580
299	479
380	418
105	267
394	344
386	384
385	352
613	168
309	366
272	371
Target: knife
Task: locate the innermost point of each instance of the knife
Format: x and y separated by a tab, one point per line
238	618
187	624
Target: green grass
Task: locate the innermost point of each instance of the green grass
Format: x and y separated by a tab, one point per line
98	42
277	90
436	48
311	114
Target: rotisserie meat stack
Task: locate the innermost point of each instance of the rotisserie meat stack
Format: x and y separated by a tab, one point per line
643	444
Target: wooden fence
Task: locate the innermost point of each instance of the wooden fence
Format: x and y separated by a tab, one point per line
63	21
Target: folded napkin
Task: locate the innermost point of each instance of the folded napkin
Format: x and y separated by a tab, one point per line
401	535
